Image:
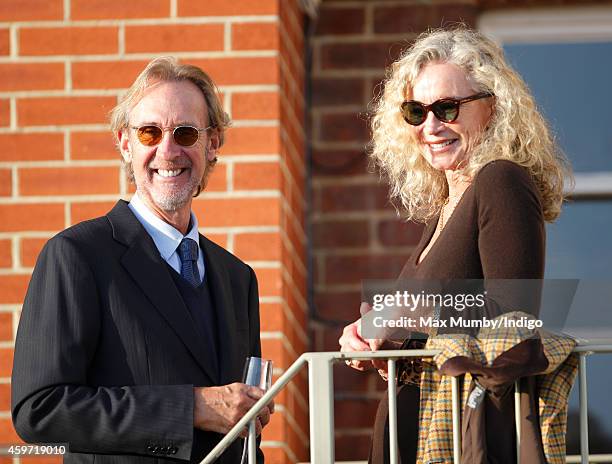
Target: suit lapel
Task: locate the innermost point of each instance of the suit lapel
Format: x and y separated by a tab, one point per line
144	264
230	364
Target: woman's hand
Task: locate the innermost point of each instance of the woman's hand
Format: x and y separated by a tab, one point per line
352	341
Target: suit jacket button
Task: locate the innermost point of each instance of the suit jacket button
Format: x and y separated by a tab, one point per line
150	448
173	450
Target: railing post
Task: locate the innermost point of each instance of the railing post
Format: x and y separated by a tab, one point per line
252	443
584	412
392	391
321	407
517	418
456	405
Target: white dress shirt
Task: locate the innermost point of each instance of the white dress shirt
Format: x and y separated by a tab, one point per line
166	237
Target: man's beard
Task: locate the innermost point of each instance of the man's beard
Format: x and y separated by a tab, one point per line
170	199
175	199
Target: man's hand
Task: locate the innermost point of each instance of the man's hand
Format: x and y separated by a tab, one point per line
218	409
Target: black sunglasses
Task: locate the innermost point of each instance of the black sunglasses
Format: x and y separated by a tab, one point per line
185	136
445	109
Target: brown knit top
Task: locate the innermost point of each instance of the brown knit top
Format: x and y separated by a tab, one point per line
495	232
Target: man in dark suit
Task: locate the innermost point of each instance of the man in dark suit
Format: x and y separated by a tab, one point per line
135	328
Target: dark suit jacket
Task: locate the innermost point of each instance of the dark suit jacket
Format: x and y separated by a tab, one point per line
107	355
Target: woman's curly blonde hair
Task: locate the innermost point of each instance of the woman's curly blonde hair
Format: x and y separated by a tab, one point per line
516	132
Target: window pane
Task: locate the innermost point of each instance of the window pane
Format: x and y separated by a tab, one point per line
578	245
571	83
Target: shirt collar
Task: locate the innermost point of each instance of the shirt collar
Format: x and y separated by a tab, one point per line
165	236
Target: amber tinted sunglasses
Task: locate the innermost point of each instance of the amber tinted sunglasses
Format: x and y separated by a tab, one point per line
185	136
445	109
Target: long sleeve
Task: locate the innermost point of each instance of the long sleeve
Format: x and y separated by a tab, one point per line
511	238
511	226
57	342
254	342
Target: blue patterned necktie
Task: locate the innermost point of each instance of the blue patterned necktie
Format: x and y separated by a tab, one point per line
188	252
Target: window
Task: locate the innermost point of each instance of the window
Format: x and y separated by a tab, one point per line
565	56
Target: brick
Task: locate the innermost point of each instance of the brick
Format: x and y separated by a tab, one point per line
38	146
31	76
522	3
340	20
5	397
5	42
341	91
269	281
5	253
359	55
5	112
347	379
30	249
255	105
340	306
271	317
64	110
105	74
341	234
82	211
255	36
226	212
12	291
28	10
42	41
344	127
344	412
7	432
173	38
254	176
6	183
225	8
93	146
258	246
32	217
42	460
119	9
276	430
219	239
276	455
394	232
354	447
331	162
6	329
273	349
402	19
251	140
355	268
68	181
340	198
241	71
217	180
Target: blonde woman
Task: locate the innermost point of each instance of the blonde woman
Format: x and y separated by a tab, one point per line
466	152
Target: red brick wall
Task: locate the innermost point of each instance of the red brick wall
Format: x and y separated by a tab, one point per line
63	64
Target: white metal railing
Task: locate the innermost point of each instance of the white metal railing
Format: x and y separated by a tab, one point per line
321	404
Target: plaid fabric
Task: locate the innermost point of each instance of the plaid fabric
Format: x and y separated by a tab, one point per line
554	384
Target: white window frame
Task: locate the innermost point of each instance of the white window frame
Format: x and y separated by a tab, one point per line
556	25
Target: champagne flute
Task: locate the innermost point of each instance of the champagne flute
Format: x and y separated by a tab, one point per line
257	373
